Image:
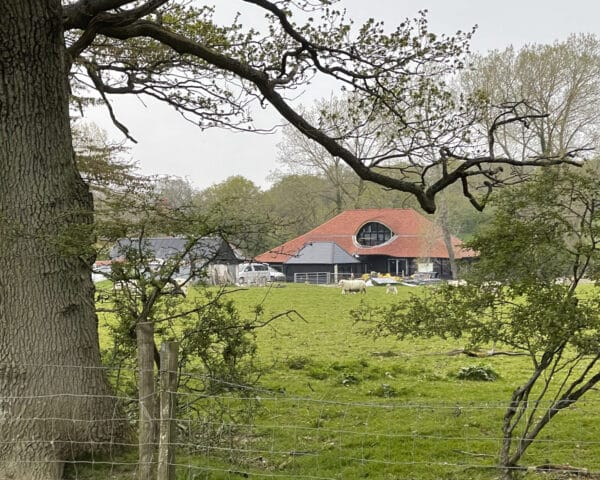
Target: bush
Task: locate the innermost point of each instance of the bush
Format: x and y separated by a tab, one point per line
479	373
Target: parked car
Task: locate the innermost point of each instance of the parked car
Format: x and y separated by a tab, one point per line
258	273
275	275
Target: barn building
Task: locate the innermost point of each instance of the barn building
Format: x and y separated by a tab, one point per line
389	240
212	254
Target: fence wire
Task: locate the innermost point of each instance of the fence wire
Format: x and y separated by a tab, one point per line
245	432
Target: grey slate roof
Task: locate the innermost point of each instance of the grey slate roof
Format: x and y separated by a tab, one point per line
213	249
322	253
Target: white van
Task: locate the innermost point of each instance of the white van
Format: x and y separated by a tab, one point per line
258	273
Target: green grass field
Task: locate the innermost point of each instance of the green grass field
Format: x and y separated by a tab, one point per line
337	404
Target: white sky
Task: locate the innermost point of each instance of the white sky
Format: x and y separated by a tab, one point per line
170	145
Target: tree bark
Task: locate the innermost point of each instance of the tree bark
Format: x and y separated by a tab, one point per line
54	400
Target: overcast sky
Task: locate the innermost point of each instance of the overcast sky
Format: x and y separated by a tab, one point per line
170	145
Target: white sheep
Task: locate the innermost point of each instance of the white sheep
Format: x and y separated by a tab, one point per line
353	286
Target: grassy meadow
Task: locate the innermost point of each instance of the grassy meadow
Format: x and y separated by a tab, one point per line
335	403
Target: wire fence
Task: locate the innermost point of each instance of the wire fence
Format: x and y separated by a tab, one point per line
250	432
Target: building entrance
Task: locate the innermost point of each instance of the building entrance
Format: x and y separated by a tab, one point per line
397	267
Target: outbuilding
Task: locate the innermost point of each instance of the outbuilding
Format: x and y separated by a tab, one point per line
400	242
212	254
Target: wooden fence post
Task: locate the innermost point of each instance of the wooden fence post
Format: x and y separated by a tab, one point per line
168	397
147	428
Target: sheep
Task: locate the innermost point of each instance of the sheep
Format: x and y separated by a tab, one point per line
391	289
353	286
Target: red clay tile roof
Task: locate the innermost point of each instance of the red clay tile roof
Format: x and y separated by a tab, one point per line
415	236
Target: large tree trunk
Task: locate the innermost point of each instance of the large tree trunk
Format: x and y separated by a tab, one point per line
54	400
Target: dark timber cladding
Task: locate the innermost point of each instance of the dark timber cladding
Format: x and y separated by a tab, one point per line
322	257
213	249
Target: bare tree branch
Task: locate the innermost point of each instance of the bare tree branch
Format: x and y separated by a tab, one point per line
400	91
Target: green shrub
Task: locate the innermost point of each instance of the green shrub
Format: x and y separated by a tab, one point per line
479	373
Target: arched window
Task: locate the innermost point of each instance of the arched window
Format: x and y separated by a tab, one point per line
372	234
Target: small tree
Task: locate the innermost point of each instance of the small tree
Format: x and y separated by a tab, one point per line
239	206
151	303
150	300
543	231
299	203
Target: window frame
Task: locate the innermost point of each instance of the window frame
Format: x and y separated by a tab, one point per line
377	236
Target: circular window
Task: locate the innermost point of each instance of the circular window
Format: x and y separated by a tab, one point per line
372	234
